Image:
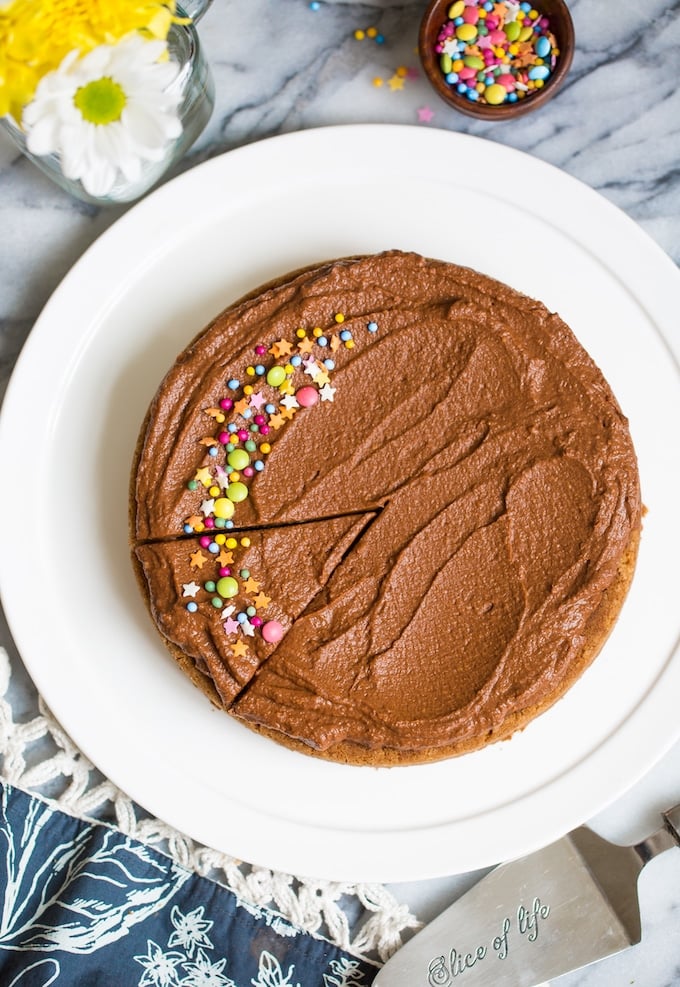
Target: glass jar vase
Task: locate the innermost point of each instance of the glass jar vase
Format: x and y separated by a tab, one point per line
194	88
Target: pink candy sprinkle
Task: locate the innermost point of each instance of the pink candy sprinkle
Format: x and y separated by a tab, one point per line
226	404
272	631
307	396
260	349
248	471
260	420
209	522
225	570
242	434
223	437
204	541
264	429
256	621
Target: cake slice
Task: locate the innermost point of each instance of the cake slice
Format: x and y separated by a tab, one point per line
223	602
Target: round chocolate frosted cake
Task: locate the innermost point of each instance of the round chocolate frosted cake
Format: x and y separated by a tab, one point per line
385	510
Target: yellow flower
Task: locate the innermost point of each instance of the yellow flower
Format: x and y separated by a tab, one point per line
35	35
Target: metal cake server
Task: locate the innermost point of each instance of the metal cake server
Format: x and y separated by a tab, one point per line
556	910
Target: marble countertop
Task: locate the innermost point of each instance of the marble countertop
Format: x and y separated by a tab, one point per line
281	67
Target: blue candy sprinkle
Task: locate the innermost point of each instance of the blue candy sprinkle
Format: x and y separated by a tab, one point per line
192	607
270	408
212	451
373	326
258	465
231	427
233	385
295	361
329	364
213	548
246	413
259	369
345	335
322	341
242	617
228	524
188	530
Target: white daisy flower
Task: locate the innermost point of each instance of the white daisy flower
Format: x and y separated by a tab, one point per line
106	113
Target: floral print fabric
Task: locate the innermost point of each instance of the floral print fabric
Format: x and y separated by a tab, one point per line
82	903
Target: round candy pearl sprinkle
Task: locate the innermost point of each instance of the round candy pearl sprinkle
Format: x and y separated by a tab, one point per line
227	587
238	458
236	492
496	53
192	607
272	631
276	376
307	396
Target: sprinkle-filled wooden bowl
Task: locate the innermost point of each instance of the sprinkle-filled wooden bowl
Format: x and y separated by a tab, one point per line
437	20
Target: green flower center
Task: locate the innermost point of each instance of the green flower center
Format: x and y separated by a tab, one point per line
100	101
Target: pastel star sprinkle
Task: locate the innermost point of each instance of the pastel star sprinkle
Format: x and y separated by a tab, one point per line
261	601
327	393
231	626
240	649
257	399
190	589
198	560
251	585
425	114
203	476
281	348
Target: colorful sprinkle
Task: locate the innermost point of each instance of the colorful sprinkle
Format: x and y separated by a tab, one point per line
224	508
227	587
307	397
238	458
236	492
276	376
272	631
496	54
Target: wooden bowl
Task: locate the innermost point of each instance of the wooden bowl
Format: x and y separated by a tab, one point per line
561	26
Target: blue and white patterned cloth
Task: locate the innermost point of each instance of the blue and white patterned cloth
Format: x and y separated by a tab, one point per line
83	904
